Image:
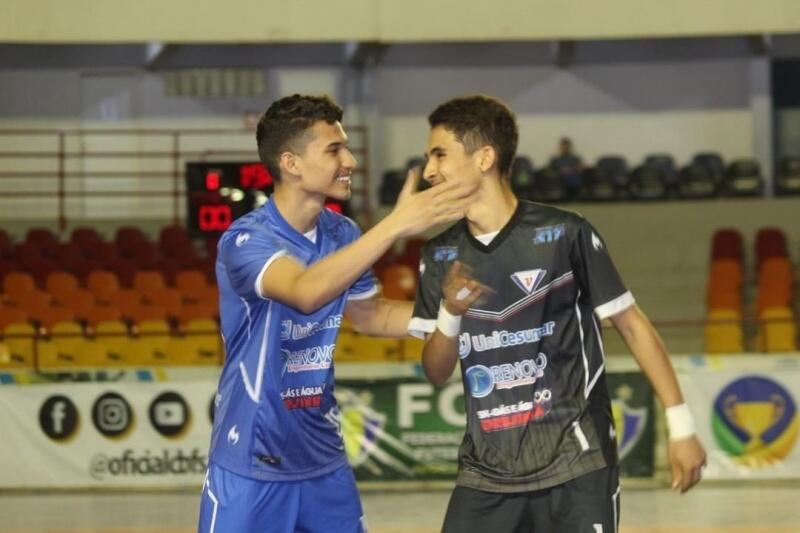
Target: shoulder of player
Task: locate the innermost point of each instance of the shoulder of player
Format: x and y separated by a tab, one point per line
548	215
337	225
249	224
449	237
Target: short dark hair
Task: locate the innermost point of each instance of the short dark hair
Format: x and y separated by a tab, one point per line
479	120
286	121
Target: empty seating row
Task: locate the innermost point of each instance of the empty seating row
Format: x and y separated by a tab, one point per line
611	178
111	344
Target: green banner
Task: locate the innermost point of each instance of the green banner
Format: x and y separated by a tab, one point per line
409	429
632	407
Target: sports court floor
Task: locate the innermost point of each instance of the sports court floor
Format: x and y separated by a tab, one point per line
750	508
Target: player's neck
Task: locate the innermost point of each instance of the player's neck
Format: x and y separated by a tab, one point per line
299	210
494	206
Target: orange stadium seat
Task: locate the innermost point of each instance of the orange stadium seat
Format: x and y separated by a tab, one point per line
190	281
727	272
724	299
17	284
169	299
101	313
102	283
190	312
52	315
772	296
81	301
60	282
145	312
11	315
34	303
399	282
148	281
126	300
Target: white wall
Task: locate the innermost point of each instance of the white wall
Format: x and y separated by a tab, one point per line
627	108
631	108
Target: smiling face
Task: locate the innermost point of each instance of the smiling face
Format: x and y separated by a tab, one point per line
325	164
449	161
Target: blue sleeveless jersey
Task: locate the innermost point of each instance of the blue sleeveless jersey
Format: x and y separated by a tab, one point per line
276	417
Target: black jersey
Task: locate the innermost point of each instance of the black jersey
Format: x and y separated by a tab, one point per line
532	361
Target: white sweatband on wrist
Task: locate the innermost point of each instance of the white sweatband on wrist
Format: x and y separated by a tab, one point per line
447	323
680	422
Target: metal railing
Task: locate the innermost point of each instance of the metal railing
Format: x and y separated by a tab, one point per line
67	165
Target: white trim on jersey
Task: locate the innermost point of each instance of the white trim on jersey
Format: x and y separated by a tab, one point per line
363	295
614	506
249	318
216	505
255	392
589	383
519	305
418	327
580	435
618	304
583	346
271	260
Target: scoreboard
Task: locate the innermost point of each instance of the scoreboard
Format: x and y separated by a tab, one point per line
218	193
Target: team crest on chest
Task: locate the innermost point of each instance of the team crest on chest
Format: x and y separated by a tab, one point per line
529	280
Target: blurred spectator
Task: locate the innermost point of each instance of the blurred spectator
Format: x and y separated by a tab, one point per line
569	166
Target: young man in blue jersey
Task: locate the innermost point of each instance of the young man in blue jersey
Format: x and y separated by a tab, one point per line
287	273
539	452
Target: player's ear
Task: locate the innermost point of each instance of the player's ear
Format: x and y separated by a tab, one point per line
488	158
290	164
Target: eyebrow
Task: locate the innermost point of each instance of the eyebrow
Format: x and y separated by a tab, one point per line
336	144
436	150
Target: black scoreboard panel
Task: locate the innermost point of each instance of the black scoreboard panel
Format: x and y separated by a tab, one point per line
217	193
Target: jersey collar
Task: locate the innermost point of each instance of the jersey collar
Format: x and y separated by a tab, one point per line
500	238
289	231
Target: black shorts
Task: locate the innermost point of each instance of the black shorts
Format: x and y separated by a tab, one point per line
587	504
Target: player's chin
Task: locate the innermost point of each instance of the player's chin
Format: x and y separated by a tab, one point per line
340	193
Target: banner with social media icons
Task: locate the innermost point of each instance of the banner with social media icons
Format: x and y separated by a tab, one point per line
133	433
745	409
105	434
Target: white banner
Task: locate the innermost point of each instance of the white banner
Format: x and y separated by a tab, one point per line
105	434
746	414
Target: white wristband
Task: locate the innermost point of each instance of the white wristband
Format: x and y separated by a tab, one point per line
447	323
680	422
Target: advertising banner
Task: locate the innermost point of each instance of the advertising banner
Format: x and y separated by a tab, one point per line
746	416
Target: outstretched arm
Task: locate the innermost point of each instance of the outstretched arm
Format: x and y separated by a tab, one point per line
309	288
686	454
379	317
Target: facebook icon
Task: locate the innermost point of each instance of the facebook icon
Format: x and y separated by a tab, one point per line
58	418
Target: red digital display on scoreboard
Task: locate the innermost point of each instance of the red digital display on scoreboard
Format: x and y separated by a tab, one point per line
218	193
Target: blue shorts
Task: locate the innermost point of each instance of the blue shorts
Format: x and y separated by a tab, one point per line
236	504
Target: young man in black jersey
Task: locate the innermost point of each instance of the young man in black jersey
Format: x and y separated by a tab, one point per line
539	452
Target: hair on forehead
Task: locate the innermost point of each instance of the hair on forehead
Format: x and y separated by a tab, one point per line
478	121
286	126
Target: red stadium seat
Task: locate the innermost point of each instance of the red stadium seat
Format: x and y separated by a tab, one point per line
84	238
727	244
44	239
6	246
